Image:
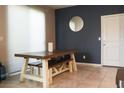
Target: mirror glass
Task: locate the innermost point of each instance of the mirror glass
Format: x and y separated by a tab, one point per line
76	23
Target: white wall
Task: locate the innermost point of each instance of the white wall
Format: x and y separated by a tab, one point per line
26	33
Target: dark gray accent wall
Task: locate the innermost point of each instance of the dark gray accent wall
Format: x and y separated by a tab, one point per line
86	41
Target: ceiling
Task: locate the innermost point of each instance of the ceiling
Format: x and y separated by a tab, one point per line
59	6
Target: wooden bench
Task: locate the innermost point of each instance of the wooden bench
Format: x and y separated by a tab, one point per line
61	66
55	67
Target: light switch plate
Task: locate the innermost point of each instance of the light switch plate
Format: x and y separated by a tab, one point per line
99	38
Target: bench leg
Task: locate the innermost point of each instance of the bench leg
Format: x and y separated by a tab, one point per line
39	72
32	70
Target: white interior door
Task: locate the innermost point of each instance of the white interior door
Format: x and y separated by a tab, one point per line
121	40
110	40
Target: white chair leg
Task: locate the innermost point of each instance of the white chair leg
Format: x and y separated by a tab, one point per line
32	70
39	71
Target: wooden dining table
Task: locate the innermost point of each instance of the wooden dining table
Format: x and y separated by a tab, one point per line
44	57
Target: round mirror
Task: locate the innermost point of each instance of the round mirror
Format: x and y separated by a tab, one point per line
76	24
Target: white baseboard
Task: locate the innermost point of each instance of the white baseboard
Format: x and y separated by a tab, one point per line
19	72
15	73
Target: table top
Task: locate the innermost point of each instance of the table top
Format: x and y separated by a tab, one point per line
45	54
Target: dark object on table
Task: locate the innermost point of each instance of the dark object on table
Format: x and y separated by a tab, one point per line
120	78
2	72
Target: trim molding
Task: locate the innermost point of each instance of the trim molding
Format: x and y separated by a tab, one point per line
15	73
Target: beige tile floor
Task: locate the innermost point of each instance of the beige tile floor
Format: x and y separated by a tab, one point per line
87	76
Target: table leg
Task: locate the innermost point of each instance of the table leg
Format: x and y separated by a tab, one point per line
70	66
50	76
45	73
23	72
74	65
